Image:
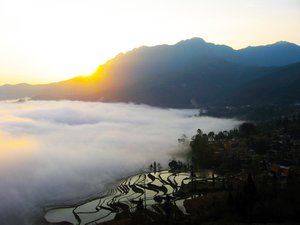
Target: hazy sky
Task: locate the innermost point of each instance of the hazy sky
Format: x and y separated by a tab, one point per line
52	40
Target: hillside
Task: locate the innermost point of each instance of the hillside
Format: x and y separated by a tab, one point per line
281	86
191	73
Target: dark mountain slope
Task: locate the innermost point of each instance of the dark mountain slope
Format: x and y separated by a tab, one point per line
278	54
281	86
172	76
190	73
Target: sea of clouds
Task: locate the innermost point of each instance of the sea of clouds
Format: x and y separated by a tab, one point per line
58	152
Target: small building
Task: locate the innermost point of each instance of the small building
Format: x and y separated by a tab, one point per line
279	170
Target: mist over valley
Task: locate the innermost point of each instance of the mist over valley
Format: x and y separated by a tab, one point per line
57	152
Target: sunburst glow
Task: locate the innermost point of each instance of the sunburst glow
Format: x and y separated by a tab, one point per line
45	41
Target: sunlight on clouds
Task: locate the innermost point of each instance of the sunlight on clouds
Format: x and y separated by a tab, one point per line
14	149
10	143
13	119
15	145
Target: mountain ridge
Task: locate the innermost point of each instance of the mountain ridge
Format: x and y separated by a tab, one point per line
191	72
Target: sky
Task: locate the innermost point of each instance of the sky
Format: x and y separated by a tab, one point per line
54	151
42	41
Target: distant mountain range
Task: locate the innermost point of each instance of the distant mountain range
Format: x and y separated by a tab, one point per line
191	73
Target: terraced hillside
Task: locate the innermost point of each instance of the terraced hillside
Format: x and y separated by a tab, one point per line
151	188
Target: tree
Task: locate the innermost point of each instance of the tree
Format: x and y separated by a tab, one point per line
246	129
173	165
201	150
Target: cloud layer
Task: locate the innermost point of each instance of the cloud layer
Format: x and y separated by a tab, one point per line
56	151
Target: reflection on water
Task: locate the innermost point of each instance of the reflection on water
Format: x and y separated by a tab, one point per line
151	188
124	196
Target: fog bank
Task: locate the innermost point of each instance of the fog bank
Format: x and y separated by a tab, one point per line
56	151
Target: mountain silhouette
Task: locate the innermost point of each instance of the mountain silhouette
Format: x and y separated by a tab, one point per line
190	73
